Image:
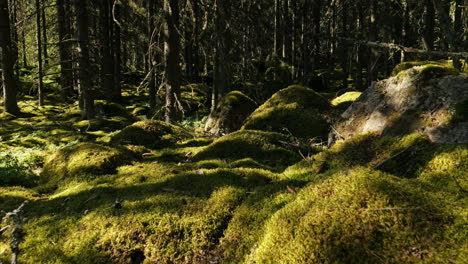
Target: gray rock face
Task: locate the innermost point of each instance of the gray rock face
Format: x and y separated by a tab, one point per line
414	101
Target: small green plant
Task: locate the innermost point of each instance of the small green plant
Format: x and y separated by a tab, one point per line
13	172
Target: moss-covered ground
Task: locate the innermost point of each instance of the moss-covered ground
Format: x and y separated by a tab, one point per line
157	193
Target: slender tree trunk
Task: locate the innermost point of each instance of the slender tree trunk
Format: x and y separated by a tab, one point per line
15	37
40	86
44	31
151	55
9	85
171	58
429	21
86	96
277	35
317	16
117	92
107	60
23	44
66	74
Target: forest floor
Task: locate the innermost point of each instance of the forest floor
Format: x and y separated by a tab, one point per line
240	198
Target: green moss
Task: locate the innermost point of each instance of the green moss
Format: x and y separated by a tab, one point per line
360	216
296	110
347	97
194	97
230	114
460	112
83	159
107	124
263	147
151	133
410	64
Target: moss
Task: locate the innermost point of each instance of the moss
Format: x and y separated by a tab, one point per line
360	215
296	110
107	124
345	98
410	64
263	147
83	159
460	112
150	133
230	114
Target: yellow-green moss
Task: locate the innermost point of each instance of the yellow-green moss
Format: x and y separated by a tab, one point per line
151	133
107	124
361	216
83	159
347	97
264	147
297	110
410	64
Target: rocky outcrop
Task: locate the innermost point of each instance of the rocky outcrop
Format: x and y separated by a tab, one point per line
430	99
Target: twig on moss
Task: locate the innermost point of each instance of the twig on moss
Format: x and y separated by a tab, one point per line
392	157
458	184
17	231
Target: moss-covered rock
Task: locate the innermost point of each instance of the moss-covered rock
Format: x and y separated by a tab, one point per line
83	159
267	148
230	114
410	64
362	216
150	133
296	110
416	100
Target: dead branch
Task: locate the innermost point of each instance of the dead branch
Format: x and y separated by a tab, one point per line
393	46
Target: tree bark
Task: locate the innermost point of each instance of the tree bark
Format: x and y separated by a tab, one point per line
44	32
9	85
117	91
65	49
172	60
84	81
107	60
40	84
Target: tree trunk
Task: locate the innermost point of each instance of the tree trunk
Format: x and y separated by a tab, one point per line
151	55
117	92
40	85
9	85
84	81
44	32
221	67
65	49
171	58
107	60
429	21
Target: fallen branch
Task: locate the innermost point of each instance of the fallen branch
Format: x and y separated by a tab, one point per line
17	231
392	157
374	44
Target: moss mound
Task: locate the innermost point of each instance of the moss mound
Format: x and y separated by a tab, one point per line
105	124
361	215
264	147
297	110
151	134
230	113
82	159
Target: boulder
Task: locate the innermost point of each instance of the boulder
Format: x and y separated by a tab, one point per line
296	110
151	134
428	99
230	113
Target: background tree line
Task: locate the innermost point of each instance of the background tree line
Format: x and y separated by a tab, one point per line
87	50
